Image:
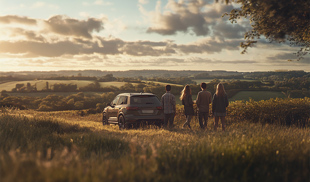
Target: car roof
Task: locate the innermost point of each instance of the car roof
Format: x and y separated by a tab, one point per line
135	94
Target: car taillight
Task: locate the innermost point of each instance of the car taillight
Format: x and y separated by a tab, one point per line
132	108
159	108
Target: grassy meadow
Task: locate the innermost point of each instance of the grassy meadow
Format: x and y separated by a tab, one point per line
63	146
198	81
257	95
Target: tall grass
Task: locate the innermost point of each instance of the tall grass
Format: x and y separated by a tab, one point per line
46	148
276	111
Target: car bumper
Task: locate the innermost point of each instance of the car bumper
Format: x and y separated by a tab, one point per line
150	119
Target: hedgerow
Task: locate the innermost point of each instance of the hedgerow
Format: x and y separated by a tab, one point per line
273	111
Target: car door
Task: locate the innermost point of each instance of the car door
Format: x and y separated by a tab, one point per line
122	102
112	110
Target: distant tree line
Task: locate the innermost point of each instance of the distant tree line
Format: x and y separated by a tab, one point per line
95	104
58	103
275	75
178	80
209	76
232	86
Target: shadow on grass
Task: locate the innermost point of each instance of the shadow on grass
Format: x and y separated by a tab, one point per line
38	134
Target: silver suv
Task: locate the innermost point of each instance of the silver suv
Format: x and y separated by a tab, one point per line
132	109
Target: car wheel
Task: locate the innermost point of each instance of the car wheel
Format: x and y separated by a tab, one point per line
121	122
158	124
104	119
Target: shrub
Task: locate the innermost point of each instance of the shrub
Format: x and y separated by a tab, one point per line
279	111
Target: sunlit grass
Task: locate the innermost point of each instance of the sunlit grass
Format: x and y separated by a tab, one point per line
62	146
257	95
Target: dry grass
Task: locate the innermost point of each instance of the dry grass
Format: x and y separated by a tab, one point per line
62	146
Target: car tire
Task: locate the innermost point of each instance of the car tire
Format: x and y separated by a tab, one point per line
158	124
122	122
104	119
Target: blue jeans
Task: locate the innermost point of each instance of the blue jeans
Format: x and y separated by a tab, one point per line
169	118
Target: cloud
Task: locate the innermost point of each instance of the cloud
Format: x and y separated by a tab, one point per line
143	1
37	46
61	35
214	12
17	19
229	31
46	49
27	34
39	49
59	25
209	46
97	3
191	16
145	49
114	27
180	17
72	27
199	60
172	23
281	57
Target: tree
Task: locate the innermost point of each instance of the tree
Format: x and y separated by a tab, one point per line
19	86
277	20
127	87
4	93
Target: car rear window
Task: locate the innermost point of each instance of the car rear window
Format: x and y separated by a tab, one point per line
144	99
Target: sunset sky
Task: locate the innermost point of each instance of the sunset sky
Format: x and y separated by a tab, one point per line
131	34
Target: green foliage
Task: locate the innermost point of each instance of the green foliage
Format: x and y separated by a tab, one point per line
107	78
256	95
128	87
294	83
60	87
276	20
274	111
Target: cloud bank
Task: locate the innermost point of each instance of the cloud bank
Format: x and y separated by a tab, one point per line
81	42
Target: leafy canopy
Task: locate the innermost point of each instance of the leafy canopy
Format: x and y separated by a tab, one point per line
277	20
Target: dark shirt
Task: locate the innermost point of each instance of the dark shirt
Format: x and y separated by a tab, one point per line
219	103
188	105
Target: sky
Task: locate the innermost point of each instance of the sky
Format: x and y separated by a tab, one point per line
117	35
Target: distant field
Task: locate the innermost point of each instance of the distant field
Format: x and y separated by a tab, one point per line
42	83
44	94
198	81
257	95
161	83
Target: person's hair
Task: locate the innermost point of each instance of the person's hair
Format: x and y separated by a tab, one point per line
203	85
168	87
186	91
220	90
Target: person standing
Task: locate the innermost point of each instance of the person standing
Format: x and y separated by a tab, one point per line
168	103
203	101
219	104
187	101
